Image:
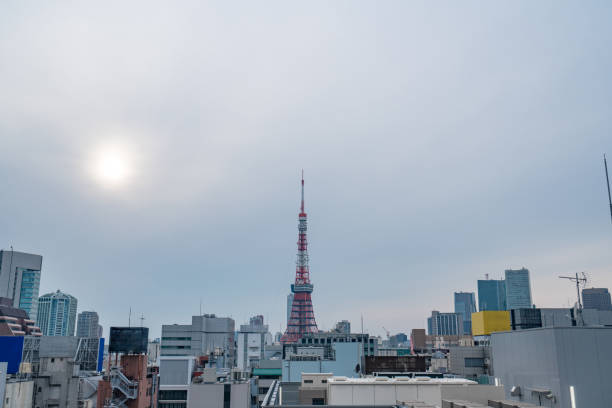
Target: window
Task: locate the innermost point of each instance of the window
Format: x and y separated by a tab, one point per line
324	381
318	401
307	381
172	395
474	362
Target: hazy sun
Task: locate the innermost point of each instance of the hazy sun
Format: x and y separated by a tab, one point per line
112	165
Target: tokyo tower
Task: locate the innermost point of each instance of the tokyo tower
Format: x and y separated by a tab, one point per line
301	320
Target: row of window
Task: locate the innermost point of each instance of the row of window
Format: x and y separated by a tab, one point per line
175	338
176	347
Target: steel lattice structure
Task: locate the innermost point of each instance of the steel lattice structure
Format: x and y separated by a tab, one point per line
302	318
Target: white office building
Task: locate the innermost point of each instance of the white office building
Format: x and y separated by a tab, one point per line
57	314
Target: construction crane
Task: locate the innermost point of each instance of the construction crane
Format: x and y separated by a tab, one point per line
388	332
608	184
579	280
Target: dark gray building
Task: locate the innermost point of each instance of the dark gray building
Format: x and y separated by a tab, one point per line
88	324
596	298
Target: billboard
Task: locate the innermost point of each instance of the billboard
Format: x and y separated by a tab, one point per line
128	340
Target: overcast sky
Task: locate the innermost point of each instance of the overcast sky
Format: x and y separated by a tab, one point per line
438	144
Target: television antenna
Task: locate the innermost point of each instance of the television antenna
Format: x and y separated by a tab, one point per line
580	280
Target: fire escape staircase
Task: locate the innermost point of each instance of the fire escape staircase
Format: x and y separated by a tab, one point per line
127	388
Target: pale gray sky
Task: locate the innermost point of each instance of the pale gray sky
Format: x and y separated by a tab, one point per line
439	144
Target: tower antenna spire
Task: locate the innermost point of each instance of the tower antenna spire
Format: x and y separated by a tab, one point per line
302	206
607	182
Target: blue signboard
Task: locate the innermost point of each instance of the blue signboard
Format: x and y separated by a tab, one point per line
11	351
100	354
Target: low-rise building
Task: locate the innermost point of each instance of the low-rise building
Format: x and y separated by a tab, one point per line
368	344
469	362
337	358
489	321
131	383
381	391
57	383
15	322
313	389
184	383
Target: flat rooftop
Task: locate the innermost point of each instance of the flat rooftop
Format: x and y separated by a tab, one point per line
398	380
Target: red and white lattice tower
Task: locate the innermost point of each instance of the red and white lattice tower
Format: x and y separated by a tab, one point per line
302	320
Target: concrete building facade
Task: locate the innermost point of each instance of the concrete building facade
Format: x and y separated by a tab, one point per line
57	314
206	335
547	366
344	360
20	280
381	391
251	343
88	324
469	362
57	383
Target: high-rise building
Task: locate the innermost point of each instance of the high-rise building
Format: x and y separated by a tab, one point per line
445	324
20	279
57	314
465	304
518	289
302	320
87	324
596	298
343	327
491	295
251	343
207	335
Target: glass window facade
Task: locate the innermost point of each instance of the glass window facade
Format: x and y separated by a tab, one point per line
28	292
491	295
518	289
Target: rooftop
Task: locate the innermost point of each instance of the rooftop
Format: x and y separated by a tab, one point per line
398	380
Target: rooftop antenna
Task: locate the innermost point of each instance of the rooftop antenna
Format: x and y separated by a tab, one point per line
142	318
130	318
579	280
608	184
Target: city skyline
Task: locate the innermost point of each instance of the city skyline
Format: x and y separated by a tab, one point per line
436	150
